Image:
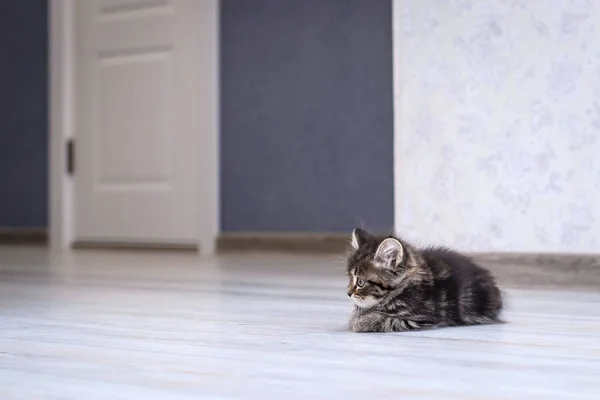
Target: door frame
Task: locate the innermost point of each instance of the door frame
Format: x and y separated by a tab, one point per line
61	226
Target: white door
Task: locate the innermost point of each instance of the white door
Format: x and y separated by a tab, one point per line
137	82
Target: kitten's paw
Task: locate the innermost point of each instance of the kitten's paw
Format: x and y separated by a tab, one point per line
377	322
355	325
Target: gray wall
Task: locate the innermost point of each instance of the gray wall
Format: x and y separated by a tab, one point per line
23	113
306	118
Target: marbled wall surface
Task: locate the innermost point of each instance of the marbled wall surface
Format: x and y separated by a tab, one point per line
498	124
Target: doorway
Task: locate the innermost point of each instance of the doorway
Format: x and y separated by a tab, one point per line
140	107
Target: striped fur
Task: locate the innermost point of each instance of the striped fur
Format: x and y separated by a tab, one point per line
397	287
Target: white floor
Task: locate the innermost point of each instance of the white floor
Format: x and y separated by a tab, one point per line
98	325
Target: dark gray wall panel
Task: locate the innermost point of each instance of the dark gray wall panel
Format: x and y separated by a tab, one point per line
306	115
23	113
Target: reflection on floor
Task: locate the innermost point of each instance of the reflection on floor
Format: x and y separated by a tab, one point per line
101	325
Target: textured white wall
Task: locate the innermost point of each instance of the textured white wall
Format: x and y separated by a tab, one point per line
497	124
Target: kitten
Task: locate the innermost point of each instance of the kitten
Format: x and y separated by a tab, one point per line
397	287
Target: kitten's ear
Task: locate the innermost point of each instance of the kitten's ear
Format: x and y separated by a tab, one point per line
390	251
359	237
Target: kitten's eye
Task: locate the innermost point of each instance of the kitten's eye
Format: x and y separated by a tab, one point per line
360	282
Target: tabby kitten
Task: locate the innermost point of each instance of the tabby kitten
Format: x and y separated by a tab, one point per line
397	287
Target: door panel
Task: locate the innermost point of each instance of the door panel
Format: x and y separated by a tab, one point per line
137	68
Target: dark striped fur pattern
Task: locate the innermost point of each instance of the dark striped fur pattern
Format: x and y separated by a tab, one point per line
397	287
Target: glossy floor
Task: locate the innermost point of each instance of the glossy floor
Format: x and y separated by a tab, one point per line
101	325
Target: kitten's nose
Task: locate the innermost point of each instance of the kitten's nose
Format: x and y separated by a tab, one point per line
349	294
